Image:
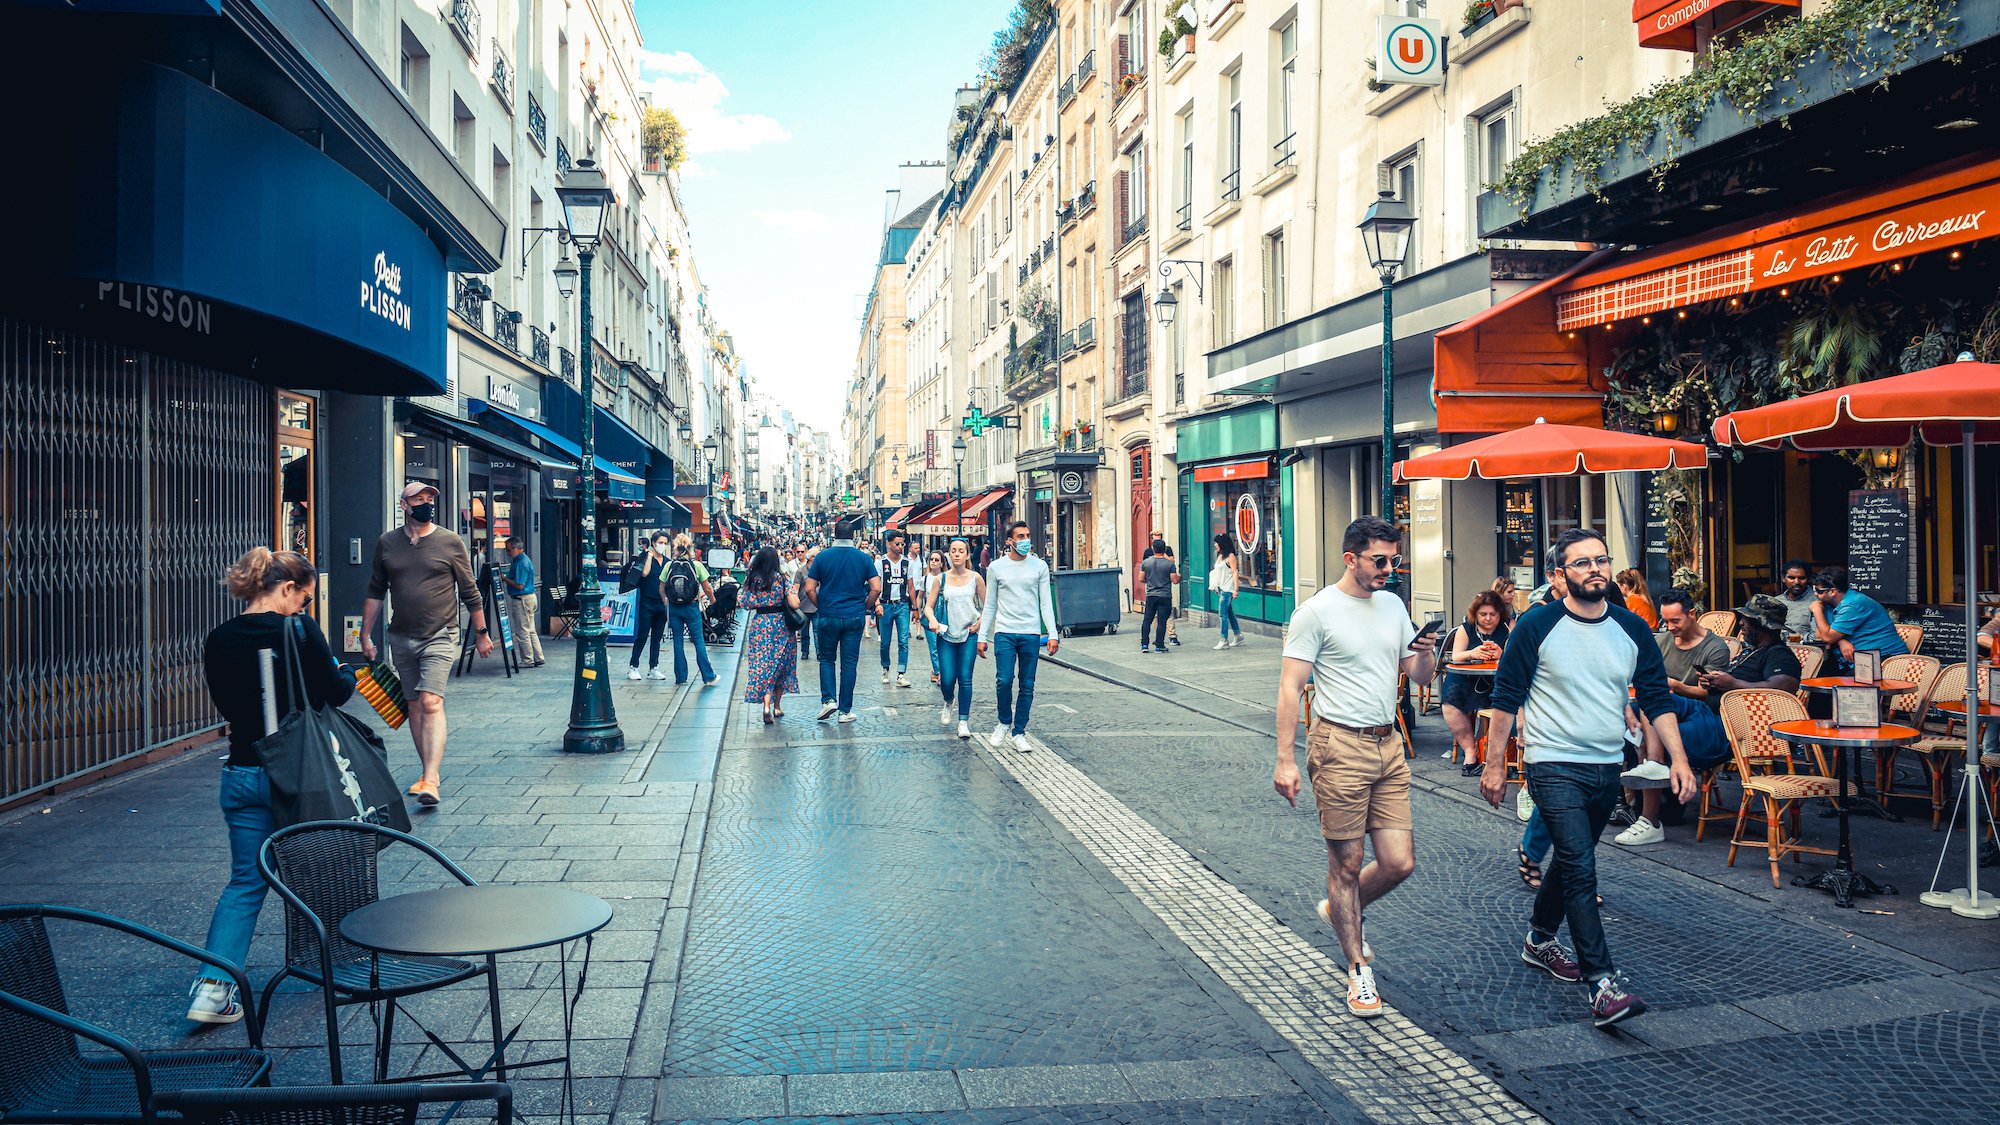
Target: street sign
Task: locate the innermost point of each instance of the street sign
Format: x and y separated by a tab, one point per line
1072	484
1409	51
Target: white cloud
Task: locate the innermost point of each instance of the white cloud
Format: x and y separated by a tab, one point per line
797	218
680	82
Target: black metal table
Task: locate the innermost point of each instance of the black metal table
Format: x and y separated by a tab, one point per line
1843	880
486	921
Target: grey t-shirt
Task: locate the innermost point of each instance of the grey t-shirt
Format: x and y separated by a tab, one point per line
1711	653
1798	614
1159	572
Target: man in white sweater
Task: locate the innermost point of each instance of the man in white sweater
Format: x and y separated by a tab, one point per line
1020	617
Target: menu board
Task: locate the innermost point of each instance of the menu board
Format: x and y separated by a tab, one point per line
1658	566
1944	632
1878	543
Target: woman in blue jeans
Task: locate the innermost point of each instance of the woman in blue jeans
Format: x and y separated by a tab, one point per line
276	587
951	616
1227	566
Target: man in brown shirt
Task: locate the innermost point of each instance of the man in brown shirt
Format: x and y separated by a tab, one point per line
431	575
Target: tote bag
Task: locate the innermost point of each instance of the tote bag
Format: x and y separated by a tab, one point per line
323	764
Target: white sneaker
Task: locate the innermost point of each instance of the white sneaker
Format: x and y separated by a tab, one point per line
1642	832
213	1002
902	680
656	674
1647	775
885	675
1362	999
1220	645
827	709
1236	641
1524	805
1022	745
964	730
944	716
999	735
1367	952
846	717
635	674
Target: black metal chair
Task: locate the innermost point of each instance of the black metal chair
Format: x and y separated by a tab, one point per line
331	1105
563	612
44	1074
326	870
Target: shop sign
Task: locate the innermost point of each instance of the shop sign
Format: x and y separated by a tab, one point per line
1234	470
156	302
383	293
1409	51
1072	484
502	392
1249	521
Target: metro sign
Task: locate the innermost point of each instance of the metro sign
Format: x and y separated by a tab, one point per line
1409	51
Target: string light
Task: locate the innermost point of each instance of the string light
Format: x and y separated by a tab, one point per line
1683	314
1645	320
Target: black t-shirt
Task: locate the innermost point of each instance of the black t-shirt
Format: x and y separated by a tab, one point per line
230	660
1759	665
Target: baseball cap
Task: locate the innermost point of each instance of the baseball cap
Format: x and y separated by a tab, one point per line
417	487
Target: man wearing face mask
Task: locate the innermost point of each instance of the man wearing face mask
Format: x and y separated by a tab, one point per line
1020	617
431	575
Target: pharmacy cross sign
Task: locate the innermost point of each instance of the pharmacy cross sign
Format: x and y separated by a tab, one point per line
977	421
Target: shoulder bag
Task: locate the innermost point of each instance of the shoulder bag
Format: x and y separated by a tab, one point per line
324	764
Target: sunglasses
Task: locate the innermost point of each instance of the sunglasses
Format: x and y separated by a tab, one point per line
1382	562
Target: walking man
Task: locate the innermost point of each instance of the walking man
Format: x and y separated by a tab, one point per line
1020	617
432	576
685	583
892	613
1566	669
843	581
1350	640
522	602
1160	575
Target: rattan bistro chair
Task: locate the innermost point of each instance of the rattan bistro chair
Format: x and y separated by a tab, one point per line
46	1077
1912	634
334	1105
1943	734
326	870
1721	622
1747	715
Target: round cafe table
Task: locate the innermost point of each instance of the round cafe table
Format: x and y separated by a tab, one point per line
1843	880
1824	685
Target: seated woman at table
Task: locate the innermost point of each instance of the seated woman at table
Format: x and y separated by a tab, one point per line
1638	597
1767	662
1476	639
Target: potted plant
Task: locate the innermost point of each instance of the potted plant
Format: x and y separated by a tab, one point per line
1176	31
1125	84
1478	12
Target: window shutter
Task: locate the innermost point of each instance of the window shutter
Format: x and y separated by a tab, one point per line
1124	57
1124	193
1385	178
1270	311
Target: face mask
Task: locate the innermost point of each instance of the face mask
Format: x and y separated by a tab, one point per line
1023	546
424	513
660	549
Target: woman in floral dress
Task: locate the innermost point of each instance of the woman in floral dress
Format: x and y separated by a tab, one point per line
772	650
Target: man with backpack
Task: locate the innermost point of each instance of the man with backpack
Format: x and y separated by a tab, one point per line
684	583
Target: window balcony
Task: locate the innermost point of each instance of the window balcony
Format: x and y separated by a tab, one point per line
1232	186
568	364
1285	151
538	345
562	158
506	327
1086	67
503	77
472	308
1049	246
538	124
462	16
1132	230
1086	334
1184	217
1067	93
1086	200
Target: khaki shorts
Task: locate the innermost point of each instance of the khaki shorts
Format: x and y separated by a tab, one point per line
424	663
1360	783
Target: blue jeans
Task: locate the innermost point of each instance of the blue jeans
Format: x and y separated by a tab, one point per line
1015	653
931	642
246	812
1228	615
895	618
955	671
688	618
1574	802
1535	837
649	622
839	639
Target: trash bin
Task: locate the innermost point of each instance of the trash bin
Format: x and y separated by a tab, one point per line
1088	600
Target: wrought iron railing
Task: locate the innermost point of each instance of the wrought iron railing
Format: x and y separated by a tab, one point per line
1086	334
1133	229
1232	186
1086	199
1080	442
568	359
1131	385
562	158
1049	246
1021	274
1066	214
503	75
1067	344
538	124
538	345
1086	67
1284	149
463	17
1067	91
506	327
1184	217
466	304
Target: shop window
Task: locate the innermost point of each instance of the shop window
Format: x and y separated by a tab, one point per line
1247	510
1225	301
1403	175
295	475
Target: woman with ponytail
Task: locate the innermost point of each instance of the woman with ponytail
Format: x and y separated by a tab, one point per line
275	587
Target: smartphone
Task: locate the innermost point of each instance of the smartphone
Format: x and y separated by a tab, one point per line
1429	628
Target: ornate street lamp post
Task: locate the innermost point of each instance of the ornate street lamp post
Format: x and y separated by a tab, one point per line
958	490
1385	232
593	723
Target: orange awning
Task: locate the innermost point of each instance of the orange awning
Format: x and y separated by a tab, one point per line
1670	24
1548	450
1508	366
897	519
943	519
697	514
1881	412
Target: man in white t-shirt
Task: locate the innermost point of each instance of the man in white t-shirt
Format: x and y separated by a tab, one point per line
1351	639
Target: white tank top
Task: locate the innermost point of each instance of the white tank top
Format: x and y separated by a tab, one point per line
960	608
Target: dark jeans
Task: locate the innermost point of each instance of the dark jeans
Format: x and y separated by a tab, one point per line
839	639
649	624
1158	609
1575	802
806	637
1015	655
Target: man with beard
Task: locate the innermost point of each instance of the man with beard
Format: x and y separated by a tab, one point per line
1566	669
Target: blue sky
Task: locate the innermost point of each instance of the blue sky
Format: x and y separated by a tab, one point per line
798	115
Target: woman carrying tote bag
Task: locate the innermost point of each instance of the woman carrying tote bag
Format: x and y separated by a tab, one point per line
276	587
1224	581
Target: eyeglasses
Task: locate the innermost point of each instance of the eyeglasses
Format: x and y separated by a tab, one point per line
1383	562
1601	562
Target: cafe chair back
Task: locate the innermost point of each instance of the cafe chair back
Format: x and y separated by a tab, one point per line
326	870
1747	715
1721	622
1810	659
1941	737
399	1104
45	1076
1912	634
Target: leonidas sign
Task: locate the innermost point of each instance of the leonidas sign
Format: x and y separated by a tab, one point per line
1670	24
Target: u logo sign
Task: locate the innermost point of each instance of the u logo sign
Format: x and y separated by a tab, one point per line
1412	48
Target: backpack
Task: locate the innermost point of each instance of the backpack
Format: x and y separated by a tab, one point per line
630	577
682	585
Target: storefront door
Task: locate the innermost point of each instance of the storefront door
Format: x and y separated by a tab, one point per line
1142	509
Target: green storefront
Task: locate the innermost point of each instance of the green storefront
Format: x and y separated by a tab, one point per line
1233	479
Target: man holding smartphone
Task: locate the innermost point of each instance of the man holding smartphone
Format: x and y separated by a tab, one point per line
1351	639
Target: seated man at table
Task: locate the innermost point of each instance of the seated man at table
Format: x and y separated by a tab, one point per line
1846	620
1767	662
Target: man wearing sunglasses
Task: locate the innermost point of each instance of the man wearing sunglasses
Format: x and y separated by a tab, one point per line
1566	670
1351	639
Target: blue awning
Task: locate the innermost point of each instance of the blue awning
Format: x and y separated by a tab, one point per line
618	484
616	440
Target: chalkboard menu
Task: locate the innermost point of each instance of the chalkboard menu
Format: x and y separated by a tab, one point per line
1878	543
1659	564
1944	631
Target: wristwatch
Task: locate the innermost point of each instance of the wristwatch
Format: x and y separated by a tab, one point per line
483	632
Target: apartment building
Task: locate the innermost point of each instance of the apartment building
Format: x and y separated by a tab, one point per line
878	423
981	202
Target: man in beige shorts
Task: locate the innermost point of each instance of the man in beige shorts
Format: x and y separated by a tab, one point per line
431	574
1350	640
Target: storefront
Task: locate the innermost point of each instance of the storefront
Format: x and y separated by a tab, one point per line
1233	482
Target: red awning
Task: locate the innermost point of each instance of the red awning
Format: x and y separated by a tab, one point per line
1670	24
1932	404
1508	366
1234	470
896	520
1546	450
943	520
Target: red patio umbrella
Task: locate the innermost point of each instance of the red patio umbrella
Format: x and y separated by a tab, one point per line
1546	450
1957	403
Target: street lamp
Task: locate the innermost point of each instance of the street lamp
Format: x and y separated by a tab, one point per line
565	272
1166	304
958	467
1385	233
593	722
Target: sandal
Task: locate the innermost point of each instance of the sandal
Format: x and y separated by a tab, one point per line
768	720
1531	872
